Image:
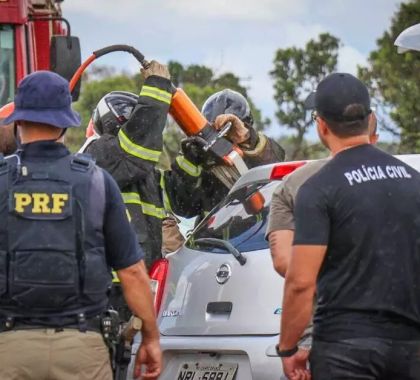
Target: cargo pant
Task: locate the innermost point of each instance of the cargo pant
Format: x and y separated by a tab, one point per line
47	354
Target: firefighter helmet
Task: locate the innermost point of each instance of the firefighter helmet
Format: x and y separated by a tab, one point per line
112	111
227	101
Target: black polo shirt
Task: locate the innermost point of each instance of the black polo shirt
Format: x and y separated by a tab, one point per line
364	205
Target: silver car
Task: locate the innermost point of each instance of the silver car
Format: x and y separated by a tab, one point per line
219	298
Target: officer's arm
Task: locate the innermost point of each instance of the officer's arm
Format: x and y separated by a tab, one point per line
136	287
281	227
299	292
308	253
126	257
281	249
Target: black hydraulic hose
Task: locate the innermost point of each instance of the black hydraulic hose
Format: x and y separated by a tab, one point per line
101	52
129	49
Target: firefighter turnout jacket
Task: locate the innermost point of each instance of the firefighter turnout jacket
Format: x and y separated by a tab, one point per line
131	158
201	190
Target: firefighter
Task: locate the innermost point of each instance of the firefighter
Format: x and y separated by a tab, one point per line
128	142
66	228
202	190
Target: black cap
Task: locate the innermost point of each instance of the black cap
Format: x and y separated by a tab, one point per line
335	93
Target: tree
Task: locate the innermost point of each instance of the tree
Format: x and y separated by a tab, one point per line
296	73
394	81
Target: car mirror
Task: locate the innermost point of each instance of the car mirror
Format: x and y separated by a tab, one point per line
65	58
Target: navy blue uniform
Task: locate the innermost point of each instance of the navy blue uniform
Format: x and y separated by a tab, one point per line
364	205
66	228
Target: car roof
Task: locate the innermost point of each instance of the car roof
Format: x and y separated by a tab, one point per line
263	173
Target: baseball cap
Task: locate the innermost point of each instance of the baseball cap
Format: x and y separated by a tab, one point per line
44	97
335	93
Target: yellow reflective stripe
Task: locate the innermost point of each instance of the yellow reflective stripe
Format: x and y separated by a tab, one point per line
166	202
152	210
156	93
132	198
115	278
188	167
147	208
137	150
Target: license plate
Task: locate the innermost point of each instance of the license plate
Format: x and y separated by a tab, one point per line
206	371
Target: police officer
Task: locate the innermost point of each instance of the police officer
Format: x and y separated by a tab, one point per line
281	224
63	227
356	242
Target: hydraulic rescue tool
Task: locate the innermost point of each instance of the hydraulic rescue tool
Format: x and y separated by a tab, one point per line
222	157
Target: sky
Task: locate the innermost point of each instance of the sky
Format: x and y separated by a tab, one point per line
240	36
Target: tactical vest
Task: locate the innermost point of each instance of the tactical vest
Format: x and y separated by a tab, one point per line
52	254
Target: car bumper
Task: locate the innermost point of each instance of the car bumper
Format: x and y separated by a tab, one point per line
255	355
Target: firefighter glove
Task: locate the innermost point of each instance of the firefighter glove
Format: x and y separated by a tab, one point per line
156	68
192	148
238	132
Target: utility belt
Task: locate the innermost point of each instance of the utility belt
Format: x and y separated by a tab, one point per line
80	323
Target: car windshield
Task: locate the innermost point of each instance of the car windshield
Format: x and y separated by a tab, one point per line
241	220
7	68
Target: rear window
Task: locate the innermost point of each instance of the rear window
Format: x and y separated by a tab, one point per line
241	220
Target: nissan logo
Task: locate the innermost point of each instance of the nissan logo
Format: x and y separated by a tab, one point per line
223	274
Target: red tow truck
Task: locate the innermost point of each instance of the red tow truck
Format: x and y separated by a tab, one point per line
34	36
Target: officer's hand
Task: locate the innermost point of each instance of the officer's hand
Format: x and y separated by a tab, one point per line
149	356
295	366
238	133
156	68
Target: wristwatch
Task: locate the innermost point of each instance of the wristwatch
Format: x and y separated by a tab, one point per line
286	353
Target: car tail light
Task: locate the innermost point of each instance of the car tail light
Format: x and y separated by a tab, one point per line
157	274
281	170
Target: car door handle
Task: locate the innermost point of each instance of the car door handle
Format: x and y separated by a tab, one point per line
219	307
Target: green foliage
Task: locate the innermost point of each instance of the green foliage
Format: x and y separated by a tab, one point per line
296	73
394	80
313	151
